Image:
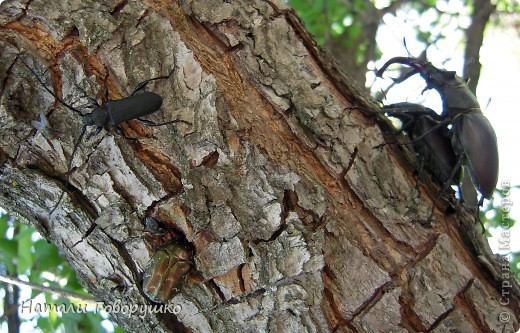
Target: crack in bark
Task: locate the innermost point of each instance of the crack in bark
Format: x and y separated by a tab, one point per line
410	320
73	192
210	160
236	300
307	216
475	317
425	249
372	300
440	319
157	203
87	233
8	73
340	321
275	234
350	163
216	288
90	230
343	174
240	276
118	8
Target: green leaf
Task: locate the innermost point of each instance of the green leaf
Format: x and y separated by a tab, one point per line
47	256
118	329
4	224
25	255
514	264
45	325
73	284
82	322
8	254
34	292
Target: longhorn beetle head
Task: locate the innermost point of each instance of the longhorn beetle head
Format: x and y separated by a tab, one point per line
98	117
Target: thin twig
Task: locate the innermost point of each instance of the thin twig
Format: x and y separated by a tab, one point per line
57	291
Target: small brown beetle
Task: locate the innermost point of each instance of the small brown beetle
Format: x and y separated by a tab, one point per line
166	271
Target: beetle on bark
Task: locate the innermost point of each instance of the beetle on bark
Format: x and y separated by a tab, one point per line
112	112
472	136
166	271
434	150
171	263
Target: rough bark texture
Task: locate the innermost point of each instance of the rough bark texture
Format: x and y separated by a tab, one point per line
298	224
482	10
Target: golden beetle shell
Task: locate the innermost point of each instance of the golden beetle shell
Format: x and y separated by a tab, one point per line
166	271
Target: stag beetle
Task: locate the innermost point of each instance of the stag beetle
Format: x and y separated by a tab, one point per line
472	136
435	149
113	112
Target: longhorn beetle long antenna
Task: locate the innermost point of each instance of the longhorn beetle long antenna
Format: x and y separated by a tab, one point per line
144	83
69	164
49	91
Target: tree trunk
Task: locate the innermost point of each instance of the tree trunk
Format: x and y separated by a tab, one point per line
297	223
482	10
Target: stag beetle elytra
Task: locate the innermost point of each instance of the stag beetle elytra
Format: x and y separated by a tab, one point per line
434	150
472	136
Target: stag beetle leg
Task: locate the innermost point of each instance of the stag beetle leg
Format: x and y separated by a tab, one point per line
447	185
467	190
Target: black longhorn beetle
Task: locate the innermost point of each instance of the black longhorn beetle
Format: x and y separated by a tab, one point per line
472	137
112	112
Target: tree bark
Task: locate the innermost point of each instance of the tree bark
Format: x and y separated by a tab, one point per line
482	10
297	223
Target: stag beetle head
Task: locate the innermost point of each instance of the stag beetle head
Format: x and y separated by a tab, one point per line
435	78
